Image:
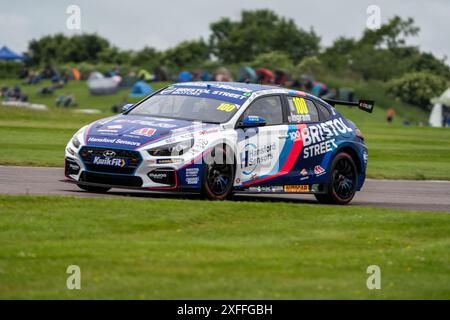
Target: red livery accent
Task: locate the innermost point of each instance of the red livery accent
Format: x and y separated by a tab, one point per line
290	161
318	170
144	132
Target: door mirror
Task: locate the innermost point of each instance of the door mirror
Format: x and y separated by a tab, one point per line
127	107
252	121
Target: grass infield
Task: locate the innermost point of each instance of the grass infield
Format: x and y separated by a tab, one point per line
182	249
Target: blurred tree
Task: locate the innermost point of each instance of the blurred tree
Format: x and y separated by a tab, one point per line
186	54
309	66
59	48
424	61
260	31
393	34
47	49
147	57
115	56
273	60
373	63
417	88
382	54
85	47
262	38
294	41
339	55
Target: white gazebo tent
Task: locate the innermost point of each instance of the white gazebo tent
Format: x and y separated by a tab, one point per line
440	108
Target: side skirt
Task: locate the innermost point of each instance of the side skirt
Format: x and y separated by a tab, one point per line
284	189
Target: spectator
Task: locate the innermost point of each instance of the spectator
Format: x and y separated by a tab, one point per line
390	114
60	100
16	92
331	94
60	84
445	119
46	90
70	100
4	91
116	108
23	73
33	78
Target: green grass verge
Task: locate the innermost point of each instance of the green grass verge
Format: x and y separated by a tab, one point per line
182	249
80	91
417	153
38	138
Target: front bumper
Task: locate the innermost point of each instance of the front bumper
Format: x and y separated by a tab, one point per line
141	172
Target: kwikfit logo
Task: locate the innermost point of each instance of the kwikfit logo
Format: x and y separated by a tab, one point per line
113	162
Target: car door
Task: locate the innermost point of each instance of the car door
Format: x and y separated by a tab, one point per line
303	117
259	148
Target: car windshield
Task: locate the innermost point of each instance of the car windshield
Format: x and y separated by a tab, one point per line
214	107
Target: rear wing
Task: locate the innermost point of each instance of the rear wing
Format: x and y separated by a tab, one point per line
365	105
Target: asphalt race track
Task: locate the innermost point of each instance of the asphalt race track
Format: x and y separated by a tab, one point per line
414	195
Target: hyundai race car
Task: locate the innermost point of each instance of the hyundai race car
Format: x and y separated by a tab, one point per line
217	138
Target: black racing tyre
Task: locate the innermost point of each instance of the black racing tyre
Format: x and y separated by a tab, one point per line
93	189
218	173
343	183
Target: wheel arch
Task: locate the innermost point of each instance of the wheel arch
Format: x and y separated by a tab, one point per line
352	151
228	144
205	189
354	154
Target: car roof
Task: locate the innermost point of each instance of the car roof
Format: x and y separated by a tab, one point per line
248	87
251	87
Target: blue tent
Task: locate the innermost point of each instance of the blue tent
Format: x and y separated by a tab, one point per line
7	54
247	74
319	89
140	89
206	76
185	76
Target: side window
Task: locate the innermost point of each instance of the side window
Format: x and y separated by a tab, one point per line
324	112
301	110
268	108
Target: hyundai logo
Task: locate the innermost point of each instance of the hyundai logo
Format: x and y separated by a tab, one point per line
109	153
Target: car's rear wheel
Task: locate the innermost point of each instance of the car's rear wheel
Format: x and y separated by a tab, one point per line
344	181
218	174
93	189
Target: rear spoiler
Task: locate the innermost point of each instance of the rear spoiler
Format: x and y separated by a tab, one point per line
365	105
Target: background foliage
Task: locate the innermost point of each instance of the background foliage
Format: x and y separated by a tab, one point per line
417	87
262	38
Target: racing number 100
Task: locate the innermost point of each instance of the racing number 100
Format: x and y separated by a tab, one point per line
300	105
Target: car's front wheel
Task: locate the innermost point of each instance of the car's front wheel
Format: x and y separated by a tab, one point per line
93	189
218	174
344	181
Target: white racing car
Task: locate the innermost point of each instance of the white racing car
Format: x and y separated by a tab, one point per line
217	138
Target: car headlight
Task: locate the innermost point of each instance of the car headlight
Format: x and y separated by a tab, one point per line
173	149
76	143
